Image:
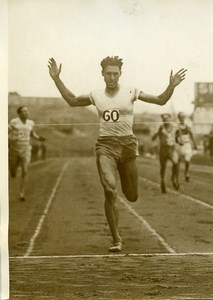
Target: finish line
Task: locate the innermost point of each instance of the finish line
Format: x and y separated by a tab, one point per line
114	255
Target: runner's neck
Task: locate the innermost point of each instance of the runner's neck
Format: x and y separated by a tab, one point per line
112	92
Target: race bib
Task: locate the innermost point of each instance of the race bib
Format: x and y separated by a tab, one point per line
22	135
170	140
111	115
185	138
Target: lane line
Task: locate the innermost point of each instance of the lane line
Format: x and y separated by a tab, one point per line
179	194
113	255
146	224
45	212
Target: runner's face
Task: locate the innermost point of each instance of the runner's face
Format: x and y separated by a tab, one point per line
166	119
182	118
24	113
111	76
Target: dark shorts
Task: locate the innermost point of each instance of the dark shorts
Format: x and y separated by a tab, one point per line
122	149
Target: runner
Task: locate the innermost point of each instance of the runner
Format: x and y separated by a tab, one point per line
167	151
20	132
210	137
184	137
116	146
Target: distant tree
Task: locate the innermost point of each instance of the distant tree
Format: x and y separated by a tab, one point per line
14	93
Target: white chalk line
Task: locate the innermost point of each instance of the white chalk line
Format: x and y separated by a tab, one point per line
179	193
41	220
113	255
146	224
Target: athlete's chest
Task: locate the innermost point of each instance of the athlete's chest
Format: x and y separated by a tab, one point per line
22	130
23	127
183	130
167	131
122	102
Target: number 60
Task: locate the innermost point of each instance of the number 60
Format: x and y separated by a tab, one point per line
110	115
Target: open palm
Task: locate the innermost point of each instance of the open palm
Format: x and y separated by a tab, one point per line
54	70
178	77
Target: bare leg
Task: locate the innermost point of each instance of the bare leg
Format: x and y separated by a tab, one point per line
107	168
163	162
13	164
187	171
175	170
129	180
24	167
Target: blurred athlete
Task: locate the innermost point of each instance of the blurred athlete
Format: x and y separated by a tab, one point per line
211	142
185	138
20	132
167	151
116	146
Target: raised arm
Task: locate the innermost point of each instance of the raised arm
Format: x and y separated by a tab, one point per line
67	95
162	99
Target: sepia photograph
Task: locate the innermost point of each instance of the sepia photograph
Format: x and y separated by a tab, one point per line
107	150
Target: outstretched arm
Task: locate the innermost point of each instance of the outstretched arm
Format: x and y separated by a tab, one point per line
68	96
162	99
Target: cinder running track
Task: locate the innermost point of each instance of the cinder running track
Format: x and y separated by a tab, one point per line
59	237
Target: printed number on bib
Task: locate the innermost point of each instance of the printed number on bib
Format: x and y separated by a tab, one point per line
185	138
22	135
170	141
111	115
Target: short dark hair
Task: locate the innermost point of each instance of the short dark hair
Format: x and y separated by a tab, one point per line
111	61
166	114
181	113
20	109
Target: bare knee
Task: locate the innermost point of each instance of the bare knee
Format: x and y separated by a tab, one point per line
12	172
24	172
110	194
132	197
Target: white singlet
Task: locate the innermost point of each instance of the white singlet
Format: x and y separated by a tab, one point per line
19	134
115	112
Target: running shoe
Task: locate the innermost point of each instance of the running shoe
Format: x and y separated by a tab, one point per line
116	247
176	185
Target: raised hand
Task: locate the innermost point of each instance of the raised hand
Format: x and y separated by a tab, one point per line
54	70
177	78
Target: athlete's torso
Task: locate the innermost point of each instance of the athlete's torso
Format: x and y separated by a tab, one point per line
115	113
167	135
183	133
19	135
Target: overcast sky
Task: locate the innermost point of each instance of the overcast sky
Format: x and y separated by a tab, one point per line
152	37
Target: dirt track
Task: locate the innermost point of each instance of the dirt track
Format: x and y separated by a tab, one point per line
154	277
76	225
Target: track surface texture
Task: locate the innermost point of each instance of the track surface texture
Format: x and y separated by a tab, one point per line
59	237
